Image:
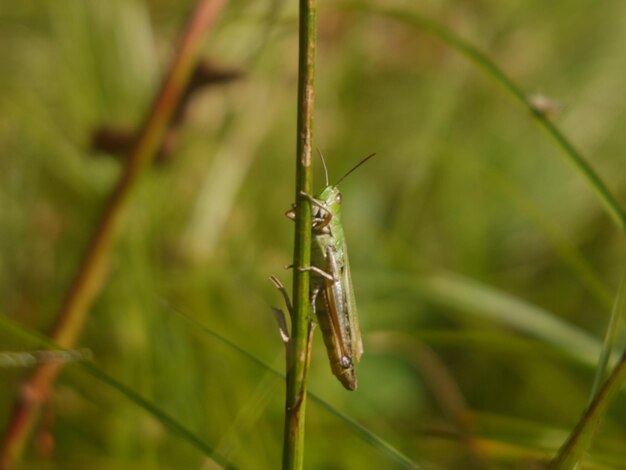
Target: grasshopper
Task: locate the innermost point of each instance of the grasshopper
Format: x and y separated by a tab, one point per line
331	292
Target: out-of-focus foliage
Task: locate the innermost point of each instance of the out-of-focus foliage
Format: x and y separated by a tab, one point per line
484	267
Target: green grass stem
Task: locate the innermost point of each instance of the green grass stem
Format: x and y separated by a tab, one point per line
571	454
579	440
610	336
297	347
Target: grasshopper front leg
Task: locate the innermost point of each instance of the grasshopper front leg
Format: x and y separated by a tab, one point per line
321	217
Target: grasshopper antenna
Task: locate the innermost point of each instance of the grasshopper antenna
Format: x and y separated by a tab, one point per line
323	164
354	168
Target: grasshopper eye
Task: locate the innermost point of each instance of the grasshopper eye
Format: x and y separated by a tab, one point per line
338	198
345	362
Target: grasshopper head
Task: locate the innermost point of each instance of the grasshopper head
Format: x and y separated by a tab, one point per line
330	205
331	197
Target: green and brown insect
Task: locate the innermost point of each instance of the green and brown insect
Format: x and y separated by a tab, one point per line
332	293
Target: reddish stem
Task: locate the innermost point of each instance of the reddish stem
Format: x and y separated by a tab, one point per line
90	275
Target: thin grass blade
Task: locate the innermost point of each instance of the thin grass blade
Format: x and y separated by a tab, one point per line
607	199
162	416
367	435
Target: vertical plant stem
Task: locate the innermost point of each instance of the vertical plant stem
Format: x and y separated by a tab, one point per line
580	438
571	454
90	275
297	350
609	338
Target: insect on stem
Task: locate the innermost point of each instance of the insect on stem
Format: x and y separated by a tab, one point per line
331	292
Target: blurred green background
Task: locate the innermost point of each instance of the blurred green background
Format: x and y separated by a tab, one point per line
484	266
